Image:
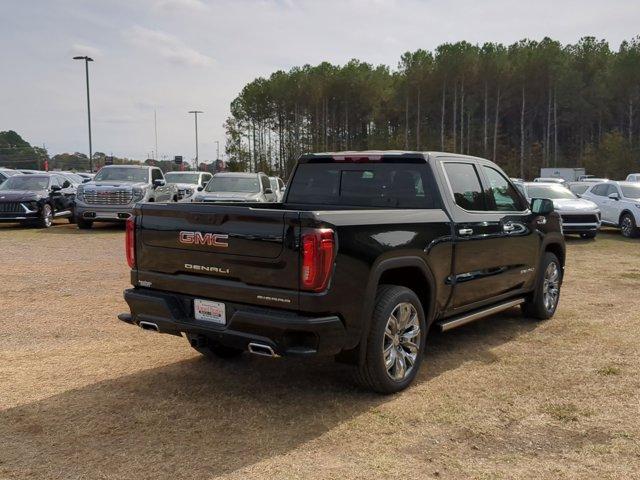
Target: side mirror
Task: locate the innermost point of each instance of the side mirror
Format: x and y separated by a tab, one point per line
541	206
200	188
268	191
614	196
56	188
66	184
159	183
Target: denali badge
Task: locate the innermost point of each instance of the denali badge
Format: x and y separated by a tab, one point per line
273	299
204	268
198	238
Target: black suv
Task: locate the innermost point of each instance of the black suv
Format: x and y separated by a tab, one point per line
367	253
36	199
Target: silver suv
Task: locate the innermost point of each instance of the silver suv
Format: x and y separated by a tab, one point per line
114	191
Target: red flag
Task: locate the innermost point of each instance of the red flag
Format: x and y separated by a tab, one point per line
46	165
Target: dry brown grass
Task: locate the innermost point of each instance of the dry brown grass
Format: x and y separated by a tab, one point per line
85	396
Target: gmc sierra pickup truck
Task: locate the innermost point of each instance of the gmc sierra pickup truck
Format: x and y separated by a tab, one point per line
367	253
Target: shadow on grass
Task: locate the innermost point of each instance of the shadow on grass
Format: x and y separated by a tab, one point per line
96	229
199	417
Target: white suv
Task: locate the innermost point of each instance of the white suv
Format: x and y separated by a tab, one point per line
619	203
633	177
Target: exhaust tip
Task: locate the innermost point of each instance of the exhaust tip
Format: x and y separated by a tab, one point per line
151	327
261	349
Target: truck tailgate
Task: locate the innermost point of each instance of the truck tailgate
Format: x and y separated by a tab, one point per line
208	249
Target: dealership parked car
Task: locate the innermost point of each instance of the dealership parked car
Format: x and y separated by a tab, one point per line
187	183
86	176
366	253
36	199
114	191
277	185
633	177
5	173
579	215
237	187
619	203
550	180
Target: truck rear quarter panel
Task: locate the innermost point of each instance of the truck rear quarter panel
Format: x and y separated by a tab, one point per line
366	240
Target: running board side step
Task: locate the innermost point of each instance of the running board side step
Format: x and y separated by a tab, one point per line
456	322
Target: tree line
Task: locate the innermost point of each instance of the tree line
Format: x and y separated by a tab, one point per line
527	105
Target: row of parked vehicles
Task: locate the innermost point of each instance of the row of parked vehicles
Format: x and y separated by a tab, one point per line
591	202
37	198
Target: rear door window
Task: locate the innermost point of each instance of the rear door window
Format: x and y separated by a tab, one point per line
465	185
392	185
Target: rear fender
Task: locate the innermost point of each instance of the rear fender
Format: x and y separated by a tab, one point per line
377	271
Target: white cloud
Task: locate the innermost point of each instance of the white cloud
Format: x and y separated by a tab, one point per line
181	5
167	46
79	49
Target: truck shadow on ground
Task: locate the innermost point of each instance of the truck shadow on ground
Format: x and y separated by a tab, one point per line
198	418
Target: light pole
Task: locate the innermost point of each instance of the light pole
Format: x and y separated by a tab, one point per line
217	149
195	116
86	70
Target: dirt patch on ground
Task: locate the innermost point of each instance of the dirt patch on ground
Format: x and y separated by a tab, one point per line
83	395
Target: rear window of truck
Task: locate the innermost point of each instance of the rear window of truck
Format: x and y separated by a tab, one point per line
390	185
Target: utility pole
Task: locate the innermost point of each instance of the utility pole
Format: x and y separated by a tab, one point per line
86	69
155	128
195	116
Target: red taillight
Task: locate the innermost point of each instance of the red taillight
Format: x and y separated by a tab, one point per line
318	249
130	242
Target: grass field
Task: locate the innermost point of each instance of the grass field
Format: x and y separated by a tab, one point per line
83	395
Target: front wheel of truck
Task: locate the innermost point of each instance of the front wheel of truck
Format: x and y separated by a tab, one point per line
210	349
544	300
396	341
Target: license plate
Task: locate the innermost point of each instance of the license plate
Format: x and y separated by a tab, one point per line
210	311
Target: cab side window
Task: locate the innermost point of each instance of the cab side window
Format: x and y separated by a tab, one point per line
611	189
465	185
156	174
265	182
504	195
600	190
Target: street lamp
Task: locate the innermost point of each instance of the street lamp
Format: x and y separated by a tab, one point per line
195	116
86	69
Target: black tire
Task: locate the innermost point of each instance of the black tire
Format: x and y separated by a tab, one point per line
212	350
83	224
628	226
588	235
46	217
373	374
538	305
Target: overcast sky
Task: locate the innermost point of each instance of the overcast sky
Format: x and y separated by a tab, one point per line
179	55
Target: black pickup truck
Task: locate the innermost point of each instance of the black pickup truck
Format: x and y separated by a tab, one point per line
367	253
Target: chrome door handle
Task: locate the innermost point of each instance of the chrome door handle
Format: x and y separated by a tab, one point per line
465	231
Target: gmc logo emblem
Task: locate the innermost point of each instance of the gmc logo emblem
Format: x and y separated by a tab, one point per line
198	238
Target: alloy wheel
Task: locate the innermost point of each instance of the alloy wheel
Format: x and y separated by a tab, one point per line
626	226
401	341
47	215
551	287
